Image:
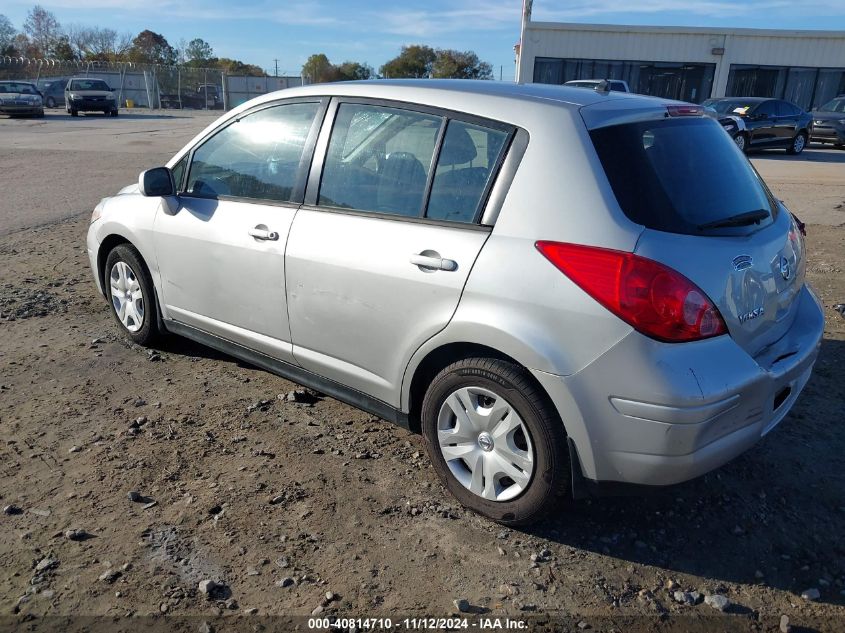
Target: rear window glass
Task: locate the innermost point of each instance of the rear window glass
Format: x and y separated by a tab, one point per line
680	175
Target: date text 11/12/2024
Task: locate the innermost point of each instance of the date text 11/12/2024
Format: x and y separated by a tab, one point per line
417	624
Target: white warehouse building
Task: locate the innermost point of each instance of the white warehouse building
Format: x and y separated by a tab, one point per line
687	63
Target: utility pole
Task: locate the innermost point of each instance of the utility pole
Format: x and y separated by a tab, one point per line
277	67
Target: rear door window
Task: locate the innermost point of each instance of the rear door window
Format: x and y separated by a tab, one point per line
379	159
682	175
767	109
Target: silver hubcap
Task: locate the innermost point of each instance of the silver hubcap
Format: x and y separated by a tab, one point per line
126	296
799	143
485	443
740	141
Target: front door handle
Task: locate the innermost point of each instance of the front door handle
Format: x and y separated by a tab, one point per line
431	260
260	232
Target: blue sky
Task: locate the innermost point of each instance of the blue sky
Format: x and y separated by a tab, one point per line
259	31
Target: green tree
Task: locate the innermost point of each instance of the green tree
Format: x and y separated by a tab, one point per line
43	30
7	34
353	71
413	61
318	69
63	50
235	67
452	64
152	48
198	52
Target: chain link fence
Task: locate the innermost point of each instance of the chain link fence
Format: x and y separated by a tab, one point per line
144	85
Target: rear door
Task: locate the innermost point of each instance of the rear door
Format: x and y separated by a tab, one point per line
378	256
787	122
762	125
221	252
709	216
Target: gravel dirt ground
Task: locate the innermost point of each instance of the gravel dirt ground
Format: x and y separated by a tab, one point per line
280	501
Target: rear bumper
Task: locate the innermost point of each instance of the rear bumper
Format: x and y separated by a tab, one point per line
657	414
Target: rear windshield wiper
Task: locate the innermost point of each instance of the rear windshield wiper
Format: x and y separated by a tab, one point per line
740	219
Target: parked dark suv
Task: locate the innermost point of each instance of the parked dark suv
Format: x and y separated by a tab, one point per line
769	123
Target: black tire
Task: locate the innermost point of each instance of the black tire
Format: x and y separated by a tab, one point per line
73	112
50	103
114	113
128	254
551	478
741	141
796	146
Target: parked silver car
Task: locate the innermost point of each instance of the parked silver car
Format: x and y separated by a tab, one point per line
558	287
83	94
18	98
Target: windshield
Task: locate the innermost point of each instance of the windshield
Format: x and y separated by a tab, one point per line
730	106
89	84
835	105
682	175
18	87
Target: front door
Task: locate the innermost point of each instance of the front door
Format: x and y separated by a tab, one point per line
377	262
221	252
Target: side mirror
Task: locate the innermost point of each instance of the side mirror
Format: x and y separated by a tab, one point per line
156	182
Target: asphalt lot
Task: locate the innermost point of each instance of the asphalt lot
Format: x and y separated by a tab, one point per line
282	501
64	165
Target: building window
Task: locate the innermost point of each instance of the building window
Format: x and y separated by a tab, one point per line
805	87
683	81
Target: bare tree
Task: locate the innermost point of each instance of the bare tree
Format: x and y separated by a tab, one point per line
80	38
43	29
98	44
7	34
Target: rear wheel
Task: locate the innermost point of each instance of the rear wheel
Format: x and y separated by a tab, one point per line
798	144
131	294
495	440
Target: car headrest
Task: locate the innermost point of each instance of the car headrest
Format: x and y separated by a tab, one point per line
458	147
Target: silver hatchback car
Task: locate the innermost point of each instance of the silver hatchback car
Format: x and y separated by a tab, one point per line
559	288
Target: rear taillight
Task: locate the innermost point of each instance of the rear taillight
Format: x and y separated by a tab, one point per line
656	300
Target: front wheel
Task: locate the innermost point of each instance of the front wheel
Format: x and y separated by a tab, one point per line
741	141
798	144
51	103
73	112
495	440
131	294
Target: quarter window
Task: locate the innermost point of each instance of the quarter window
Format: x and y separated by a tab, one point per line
379	159
258	156
466	162
178	171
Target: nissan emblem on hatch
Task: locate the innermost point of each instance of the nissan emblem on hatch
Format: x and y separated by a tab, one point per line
741	262
784	268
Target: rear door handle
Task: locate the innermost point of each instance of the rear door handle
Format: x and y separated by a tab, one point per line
261	233
431	260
